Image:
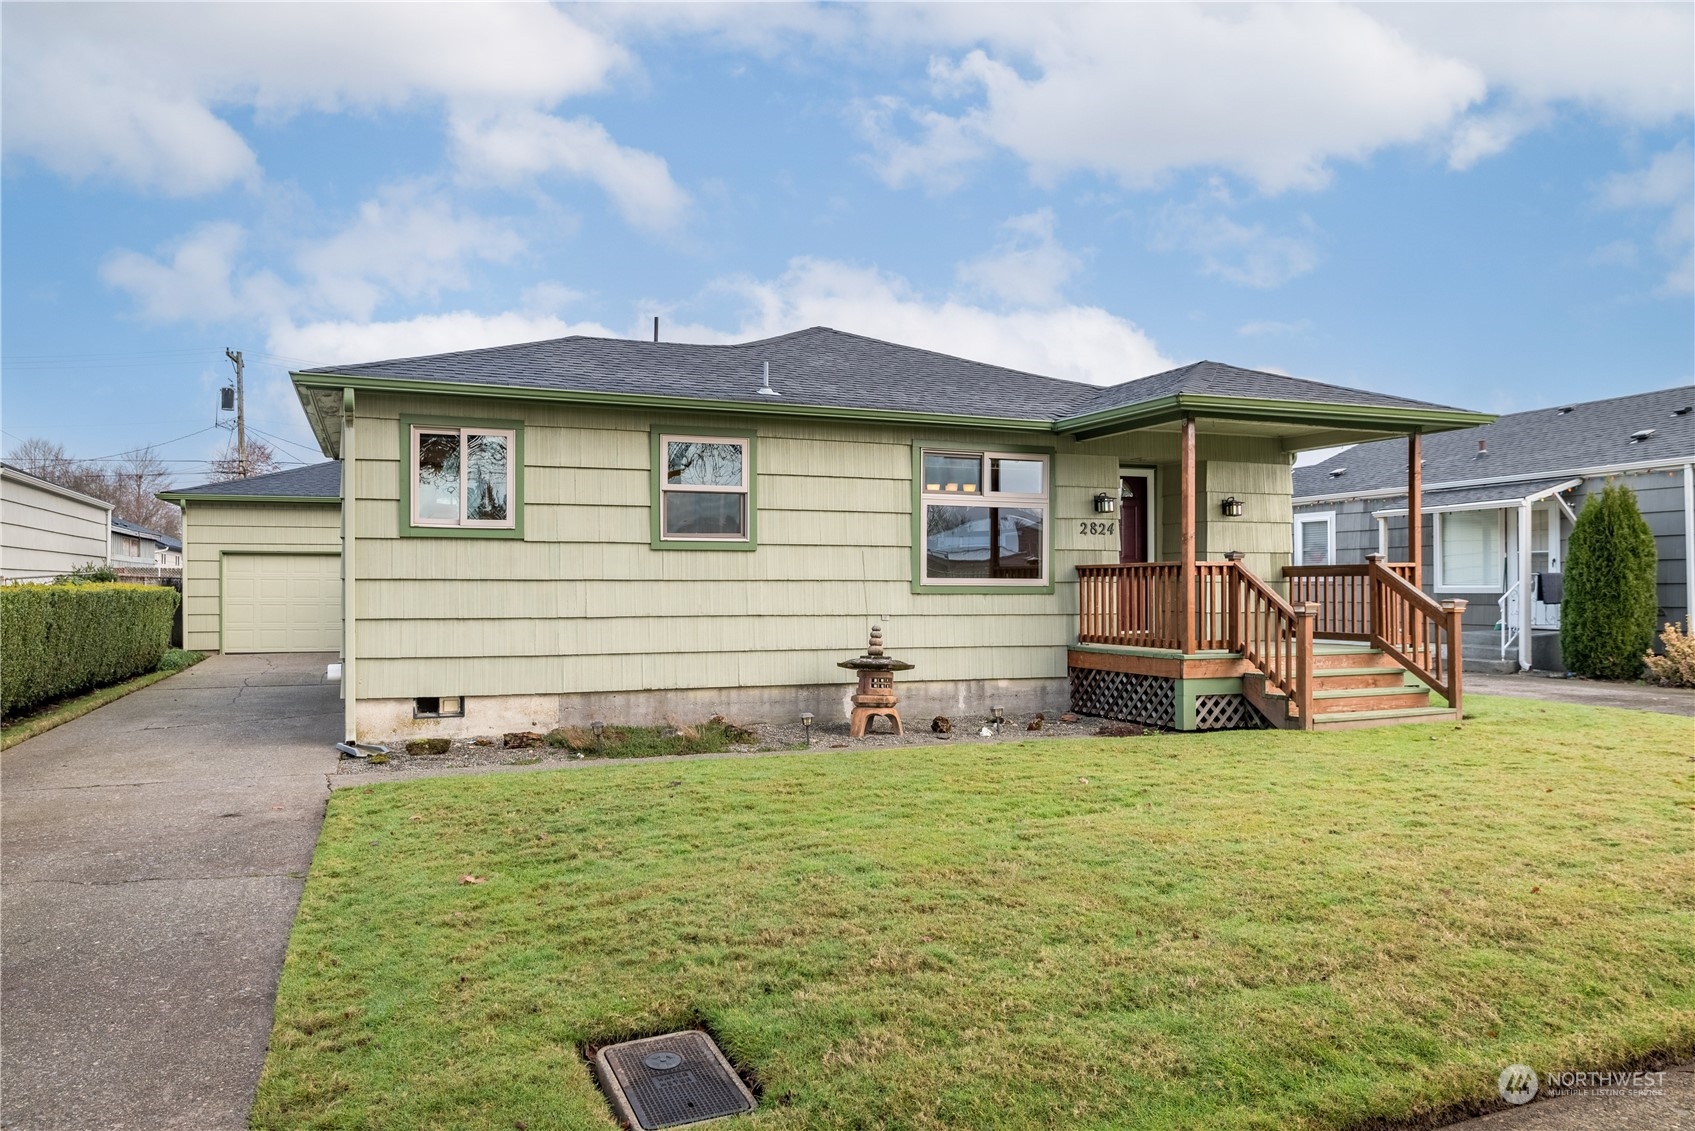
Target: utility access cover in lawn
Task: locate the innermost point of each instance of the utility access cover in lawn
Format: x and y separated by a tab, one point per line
671	1080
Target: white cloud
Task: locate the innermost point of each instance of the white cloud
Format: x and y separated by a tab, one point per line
1666	182
1480	136
1081	343
196	283
403	243
1028	268
1249	255
1629	62
132	91
348	341
517	145
1274	94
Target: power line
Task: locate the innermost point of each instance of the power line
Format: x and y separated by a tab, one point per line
143	447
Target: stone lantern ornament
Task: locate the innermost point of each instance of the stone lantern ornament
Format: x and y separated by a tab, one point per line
876	694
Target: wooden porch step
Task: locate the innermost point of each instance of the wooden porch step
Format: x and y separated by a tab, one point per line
1326	657
1355	699
1335	679
1351	720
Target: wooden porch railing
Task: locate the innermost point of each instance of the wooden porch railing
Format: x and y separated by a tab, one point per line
1410	625
1131	605
1342	594
1275	637
1140	605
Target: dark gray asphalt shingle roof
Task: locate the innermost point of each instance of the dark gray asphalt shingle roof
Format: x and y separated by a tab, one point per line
825	367
1212	379
1542	442
129	527
316	481
1465	496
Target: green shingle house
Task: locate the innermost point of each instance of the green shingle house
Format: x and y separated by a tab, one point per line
628	531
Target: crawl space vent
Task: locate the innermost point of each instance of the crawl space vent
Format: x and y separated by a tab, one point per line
670	1080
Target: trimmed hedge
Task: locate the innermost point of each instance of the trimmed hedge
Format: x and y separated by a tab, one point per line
1611	602
59	640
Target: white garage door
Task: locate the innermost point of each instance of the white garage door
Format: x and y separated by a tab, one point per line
282	603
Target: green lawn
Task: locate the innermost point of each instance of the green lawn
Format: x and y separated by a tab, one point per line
1243	930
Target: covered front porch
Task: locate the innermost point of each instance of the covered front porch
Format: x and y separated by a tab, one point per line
1195	644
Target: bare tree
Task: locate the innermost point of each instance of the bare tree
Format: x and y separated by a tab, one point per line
260	460
129	482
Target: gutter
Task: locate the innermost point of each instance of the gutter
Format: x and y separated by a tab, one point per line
209	497
1689	546
1486	505
349	611
1675	464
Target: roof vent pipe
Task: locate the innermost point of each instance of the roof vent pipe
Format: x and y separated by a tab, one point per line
765	389
1482	448
656	327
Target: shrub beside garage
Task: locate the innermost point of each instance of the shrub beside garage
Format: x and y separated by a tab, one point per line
58	640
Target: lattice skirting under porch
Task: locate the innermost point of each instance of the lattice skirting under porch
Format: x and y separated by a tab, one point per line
1226	712
1147	699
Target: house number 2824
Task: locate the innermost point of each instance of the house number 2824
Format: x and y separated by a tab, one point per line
1094	528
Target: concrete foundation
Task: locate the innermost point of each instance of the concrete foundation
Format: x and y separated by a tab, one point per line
390	720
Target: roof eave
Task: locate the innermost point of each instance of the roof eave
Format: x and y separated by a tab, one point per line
230	497
772	407
1365	418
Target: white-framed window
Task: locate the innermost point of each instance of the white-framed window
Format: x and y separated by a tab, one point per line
463	477
1470	551
984	518
1315	539
704	491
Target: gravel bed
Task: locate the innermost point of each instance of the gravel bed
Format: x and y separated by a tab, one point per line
772	738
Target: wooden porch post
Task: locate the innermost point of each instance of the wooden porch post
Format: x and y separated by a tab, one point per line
1306	616
1453	613
1415	507
1233	610
1186	543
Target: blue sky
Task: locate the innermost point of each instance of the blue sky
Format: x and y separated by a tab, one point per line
1488	206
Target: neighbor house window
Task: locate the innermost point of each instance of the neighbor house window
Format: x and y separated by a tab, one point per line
1470	551
1315	539
985	518
463	477
704	489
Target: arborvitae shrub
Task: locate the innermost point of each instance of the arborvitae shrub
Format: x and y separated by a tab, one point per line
1607	618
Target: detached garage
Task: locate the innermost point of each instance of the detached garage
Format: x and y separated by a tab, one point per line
262	562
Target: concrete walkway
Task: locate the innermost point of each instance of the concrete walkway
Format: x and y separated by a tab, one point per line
154	854
1588	693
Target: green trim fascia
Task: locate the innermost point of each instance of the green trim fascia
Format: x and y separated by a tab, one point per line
206	497
1145	414
407	530
744	545
668	404
919	585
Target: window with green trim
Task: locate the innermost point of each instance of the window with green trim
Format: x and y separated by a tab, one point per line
985	519
704	492
463	477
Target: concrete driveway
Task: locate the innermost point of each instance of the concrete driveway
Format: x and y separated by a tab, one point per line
154	854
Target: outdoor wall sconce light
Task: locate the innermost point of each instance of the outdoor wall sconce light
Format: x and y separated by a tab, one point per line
806	724
1232	507
1105	503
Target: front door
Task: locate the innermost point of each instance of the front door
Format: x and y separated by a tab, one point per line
1133	510
1544	559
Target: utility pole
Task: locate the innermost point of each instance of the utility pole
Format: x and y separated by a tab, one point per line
240	416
